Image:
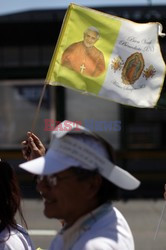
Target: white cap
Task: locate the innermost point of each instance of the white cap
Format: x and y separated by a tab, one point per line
87	152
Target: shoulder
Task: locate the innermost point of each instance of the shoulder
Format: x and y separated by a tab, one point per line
111	231
74	46
114	221
19	239
24	237
105	243
97	54
57	242
97	51
99	243
21	229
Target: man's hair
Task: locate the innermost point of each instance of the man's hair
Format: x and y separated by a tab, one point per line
92	28
108	191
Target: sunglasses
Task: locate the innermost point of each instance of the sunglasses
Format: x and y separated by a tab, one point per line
51	180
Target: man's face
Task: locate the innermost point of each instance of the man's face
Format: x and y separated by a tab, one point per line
67	199
90	37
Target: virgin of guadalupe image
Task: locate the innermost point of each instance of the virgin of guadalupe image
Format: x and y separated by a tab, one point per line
83	57
133	68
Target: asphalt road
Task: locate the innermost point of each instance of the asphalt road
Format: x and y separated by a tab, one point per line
142	216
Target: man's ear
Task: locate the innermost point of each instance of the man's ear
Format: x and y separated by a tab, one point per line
94	185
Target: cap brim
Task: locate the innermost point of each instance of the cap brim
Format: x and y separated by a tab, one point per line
54	163
50	163
123	179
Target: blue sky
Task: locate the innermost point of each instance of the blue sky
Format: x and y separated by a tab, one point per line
10	6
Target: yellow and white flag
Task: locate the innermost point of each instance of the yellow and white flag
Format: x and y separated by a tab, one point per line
110	57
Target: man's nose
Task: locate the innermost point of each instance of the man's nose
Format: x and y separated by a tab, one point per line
90	39
41	186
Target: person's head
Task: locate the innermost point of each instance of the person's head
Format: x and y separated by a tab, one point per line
91	35
77	174
75	191
9	196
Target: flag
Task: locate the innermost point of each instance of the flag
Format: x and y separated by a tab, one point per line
109	57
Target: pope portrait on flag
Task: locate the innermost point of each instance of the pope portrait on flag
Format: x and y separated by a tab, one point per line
83	57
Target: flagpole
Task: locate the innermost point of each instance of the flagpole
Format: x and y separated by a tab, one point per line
159	223
38	108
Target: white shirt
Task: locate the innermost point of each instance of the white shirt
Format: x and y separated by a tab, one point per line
103	229
18	240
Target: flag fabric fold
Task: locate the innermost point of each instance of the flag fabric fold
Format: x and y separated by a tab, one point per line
109	57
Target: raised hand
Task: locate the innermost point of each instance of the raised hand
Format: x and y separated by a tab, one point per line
32	147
